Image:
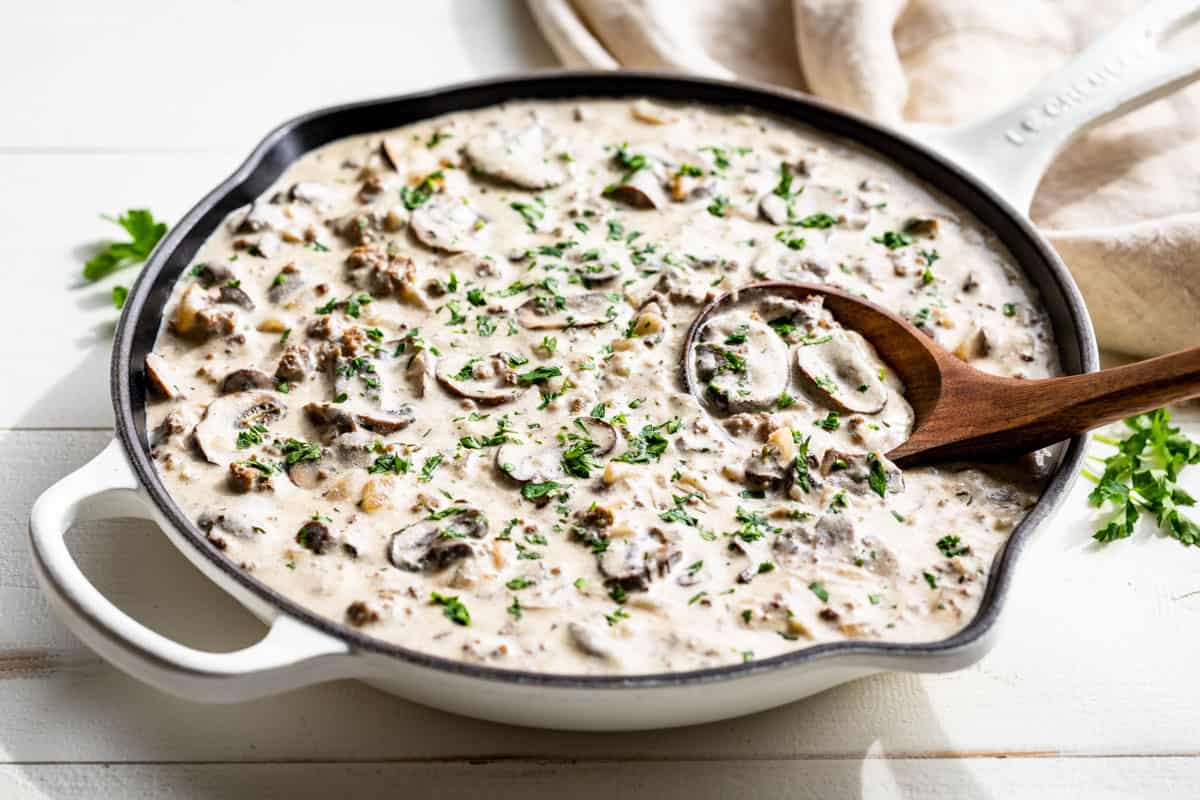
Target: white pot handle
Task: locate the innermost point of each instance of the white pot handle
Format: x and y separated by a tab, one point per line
290	655
1122	70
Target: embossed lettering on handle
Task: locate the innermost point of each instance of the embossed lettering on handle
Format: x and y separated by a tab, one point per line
1123	70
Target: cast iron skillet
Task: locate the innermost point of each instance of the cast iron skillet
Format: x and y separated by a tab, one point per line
1123	70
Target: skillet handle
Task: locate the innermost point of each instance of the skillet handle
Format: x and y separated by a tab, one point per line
1126	68
289	656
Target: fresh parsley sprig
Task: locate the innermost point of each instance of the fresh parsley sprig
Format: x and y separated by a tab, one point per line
1142	477
144	232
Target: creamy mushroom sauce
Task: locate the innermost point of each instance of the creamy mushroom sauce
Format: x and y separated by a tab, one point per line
428	385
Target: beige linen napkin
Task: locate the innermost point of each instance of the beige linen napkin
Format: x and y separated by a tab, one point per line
1121	204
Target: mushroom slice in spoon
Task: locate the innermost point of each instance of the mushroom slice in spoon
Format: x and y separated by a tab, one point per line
555	311
836	366
445	222
740	364
227	418
434	544
488	379
244	380
523	158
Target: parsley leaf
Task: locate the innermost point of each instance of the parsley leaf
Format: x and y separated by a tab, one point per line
452	608
144	232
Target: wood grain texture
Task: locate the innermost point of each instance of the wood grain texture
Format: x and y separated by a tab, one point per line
1011	779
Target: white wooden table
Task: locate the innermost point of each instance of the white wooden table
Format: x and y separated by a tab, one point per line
105	106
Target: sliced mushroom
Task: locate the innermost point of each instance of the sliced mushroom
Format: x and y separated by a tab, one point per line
307	474
263	216
244	380
354	449
768	469
640	189
196	318
599	264
741	364
210	274
420	371
445	222
217	432
490	380
286	284
316	536
530	463
590	640
312	193
636	561
523	158
359	378
838	369
555	311
601	432
922	227
235	296
645	111
218	524
343	420
159	377
857	472
773	208
433	545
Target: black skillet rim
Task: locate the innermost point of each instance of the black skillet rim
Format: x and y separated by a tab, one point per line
146	301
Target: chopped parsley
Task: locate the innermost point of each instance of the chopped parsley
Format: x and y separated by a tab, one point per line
452	608
429	467
389	463
414	197
536	491
719	206
820	220
532	213
831	422
296	451
538	375
817	588
893	240
250	436
951	546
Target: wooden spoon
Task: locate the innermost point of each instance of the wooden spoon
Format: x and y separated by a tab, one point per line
962	414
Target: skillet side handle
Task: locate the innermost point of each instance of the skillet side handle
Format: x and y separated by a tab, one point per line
289	656
1119	72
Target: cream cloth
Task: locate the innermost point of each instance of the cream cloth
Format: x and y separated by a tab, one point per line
1121	204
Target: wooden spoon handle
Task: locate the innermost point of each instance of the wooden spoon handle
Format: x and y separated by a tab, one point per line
1002	418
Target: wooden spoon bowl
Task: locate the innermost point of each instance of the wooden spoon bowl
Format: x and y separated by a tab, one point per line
963	414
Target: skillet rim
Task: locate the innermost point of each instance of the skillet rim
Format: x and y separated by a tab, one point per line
287	142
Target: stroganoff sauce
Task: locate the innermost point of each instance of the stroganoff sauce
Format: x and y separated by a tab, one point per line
428	386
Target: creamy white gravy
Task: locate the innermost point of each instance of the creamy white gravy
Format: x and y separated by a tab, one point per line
428	385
